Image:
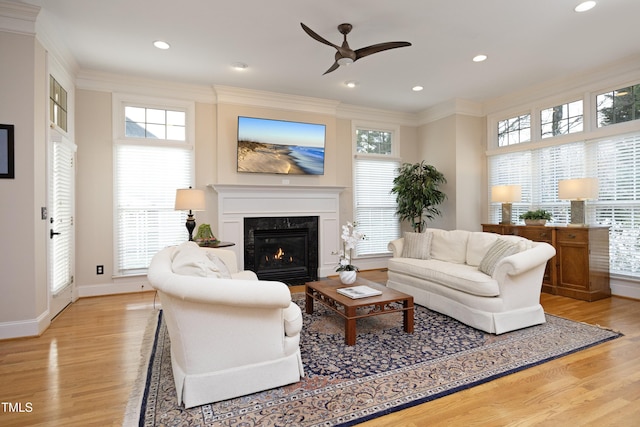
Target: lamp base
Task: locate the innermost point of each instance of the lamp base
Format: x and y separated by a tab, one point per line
577	213
191	225
506	214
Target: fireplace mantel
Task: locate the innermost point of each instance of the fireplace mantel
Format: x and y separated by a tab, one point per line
237	201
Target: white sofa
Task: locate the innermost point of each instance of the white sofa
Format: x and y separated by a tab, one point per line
487	281
230	333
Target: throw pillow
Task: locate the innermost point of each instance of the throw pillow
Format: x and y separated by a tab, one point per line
190	260
417	245
220	265
499	249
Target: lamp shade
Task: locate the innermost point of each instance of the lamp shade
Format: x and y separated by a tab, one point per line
189	199
578	189
506	193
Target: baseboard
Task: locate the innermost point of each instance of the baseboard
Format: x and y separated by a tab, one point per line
625	288
119	286
25	328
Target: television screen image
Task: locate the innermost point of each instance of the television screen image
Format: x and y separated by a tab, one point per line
280	147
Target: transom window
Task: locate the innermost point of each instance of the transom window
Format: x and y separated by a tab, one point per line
562	119
373	141
620	105
57	104
154	123
514	130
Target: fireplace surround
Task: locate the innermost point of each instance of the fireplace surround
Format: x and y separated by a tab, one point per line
239	201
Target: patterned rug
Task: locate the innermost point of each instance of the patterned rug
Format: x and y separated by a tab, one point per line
386	371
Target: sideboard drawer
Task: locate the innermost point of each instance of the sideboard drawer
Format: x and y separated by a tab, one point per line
537	234
572	235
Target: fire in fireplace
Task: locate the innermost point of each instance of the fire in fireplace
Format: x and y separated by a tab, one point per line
282	248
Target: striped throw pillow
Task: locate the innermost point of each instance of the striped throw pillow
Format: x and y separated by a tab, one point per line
417	245
498	250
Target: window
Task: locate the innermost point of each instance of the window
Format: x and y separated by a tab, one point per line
57	104
616	164
621	105
375	167
154	156
514	130
154	123
562	119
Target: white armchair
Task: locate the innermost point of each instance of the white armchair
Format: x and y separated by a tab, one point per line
229	337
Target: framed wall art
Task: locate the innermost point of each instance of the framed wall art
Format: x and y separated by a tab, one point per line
6	152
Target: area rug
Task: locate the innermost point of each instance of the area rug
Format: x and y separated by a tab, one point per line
386	371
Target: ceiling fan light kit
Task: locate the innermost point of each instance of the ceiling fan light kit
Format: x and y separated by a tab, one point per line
344	54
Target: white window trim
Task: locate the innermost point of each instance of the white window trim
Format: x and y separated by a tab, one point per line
393	129
120	101
394	156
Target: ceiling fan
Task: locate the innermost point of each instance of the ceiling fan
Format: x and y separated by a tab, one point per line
345	55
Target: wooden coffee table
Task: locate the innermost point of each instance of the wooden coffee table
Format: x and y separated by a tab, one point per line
391	301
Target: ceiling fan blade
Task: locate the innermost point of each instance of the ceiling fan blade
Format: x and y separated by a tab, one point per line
317	37
332	68
365	51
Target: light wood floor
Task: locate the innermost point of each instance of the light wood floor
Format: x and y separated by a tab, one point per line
81	370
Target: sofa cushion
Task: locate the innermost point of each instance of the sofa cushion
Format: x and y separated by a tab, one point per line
417	245
499	249
478	245
189	259
461	277
449	245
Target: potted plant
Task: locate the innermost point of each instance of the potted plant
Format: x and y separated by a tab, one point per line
417	193
538	217
350	237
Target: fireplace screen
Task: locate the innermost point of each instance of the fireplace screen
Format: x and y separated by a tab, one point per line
283	249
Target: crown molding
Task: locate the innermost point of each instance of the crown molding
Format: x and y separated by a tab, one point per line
449	108
259	98
624	71
47	34
18	17
107	82
355	112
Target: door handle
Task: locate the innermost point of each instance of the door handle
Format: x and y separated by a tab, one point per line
52	233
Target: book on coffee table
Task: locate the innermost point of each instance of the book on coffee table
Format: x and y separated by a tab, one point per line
362	291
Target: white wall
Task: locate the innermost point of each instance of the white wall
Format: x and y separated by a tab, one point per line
216	141
23	306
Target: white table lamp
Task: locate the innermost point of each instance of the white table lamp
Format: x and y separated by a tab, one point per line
578	190
506	194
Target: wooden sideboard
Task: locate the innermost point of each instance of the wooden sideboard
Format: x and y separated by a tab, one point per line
580	268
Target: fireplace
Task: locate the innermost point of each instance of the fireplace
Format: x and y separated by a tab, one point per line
282	248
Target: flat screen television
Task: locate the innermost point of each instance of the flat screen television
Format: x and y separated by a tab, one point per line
280	147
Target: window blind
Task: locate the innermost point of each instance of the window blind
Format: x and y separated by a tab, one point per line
617	162
147	177
375	205
61	214
614	161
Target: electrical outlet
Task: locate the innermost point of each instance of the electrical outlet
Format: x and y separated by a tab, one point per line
99	269
43	212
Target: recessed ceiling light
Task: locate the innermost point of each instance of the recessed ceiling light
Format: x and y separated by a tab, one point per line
239	66
479	58
417	88
351	84
161	45
584	6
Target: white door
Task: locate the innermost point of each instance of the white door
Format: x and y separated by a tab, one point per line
61	222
